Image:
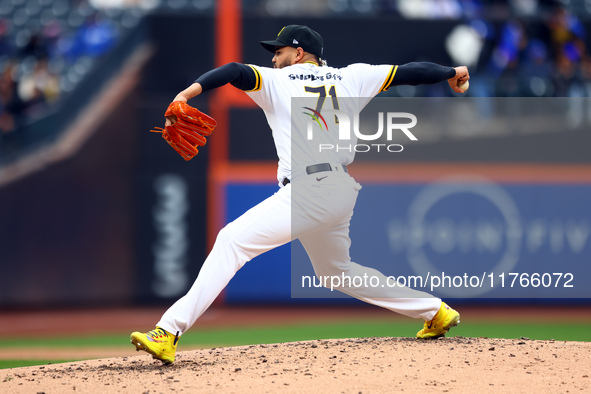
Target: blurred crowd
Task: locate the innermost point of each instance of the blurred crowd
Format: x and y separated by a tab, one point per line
514	47
520	48
44	51
548	59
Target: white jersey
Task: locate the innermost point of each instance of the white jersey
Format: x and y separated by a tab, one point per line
275	89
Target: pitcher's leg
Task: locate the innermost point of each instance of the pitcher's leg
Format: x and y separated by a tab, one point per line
262	228
329	253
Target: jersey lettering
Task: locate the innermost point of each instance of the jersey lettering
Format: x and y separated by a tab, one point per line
321	92
312	77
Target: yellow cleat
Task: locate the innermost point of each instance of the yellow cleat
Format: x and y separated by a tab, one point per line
443	320
159	343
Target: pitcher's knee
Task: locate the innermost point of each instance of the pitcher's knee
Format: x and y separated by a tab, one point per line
328	270
225	235
235	244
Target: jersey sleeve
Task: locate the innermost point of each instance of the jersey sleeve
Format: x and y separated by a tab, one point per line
371	79
389	79
258	79
263	85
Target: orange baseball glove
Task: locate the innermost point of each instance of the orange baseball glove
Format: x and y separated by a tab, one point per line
189	129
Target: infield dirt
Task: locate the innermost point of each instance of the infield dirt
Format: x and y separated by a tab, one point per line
366	365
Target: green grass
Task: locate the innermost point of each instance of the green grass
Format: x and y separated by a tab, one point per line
27	363
557	331
303	332
571	332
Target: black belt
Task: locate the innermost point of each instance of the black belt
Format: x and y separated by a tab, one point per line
313	169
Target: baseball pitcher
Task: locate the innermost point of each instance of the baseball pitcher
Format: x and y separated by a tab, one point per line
320	220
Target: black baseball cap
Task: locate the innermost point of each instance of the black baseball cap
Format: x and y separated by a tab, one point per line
297	36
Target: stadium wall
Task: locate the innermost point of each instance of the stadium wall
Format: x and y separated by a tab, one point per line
123	221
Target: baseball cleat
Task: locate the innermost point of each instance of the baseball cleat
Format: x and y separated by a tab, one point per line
159	343
443	320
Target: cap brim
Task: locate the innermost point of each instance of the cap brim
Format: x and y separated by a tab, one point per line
271	45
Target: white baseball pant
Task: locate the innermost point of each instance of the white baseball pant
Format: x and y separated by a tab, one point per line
318	214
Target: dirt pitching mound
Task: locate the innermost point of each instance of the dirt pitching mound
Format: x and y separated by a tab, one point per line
328	366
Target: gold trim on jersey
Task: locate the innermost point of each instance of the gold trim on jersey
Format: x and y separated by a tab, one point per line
389	79
311	62
259	80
